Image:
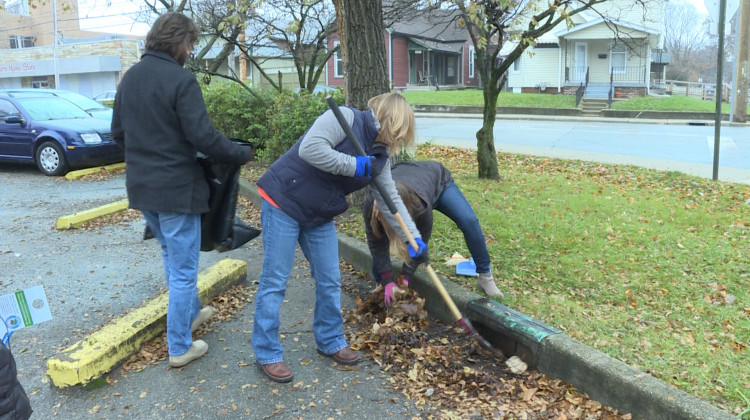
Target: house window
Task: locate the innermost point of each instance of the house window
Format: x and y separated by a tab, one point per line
18	41
618	54
17	7
471	61
338	62
517	65
41	82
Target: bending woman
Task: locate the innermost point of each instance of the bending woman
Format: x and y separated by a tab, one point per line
424	186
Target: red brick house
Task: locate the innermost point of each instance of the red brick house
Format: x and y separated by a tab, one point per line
427	49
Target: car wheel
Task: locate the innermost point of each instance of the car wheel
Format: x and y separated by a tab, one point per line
50	159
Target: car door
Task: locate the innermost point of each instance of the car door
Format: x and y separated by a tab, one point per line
15	138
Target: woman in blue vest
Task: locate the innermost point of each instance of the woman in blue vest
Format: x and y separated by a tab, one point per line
302	192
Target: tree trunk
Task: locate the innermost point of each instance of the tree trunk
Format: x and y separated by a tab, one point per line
366	70
486	155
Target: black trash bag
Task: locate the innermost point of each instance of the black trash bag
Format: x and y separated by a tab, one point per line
220	230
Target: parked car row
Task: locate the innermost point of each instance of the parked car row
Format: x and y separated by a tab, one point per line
55	129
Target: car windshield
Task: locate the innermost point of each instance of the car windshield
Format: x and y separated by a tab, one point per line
81	101
50	108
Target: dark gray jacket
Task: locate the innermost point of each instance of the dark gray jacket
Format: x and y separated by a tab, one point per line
14	404
427	179
160	119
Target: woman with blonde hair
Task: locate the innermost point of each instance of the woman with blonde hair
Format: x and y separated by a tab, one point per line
424	186
302	192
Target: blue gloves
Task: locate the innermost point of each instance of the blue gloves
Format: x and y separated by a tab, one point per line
421	255
364	166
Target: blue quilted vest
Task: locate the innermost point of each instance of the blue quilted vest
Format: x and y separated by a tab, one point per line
311	196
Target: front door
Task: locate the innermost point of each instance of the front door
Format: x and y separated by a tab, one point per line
15	139
580	64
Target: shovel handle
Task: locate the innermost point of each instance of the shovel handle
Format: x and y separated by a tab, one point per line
392	207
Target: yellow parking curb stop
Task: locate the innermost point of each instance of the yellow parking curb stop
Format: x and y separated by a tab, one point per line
78	219
120	338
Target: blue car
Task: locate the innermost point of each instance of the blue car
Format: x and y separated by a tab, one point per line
94	108
54	134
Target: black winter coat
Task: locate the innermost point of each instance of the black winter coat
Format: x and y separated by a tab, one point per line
14	404
160	119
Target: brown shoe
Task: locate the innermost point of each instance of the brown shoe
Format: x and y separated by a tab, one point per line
277	372
345	356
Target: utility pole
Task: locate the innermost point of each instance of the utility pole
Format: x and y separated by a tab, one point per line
742	65
54	43
719	88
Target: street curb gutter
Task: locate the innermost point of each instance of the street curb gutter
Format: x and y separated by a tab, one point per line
78	219
604	378
122	337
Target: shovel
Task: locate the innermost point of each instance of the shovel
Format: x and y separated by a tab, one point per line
464	323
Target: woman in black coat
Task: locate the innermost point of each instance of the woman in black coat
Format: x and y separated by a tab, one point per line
14	404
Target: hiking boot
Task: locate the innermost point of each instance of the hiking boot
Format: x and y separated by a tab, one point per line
198	349
487	284
277	372
204	315
345	356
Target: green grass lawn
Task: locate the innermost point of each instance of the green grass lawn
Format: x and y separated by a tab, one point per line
474	97
649	267
539	100
670	103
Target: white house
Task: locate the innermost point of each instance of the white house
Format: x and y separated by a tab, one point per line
611	46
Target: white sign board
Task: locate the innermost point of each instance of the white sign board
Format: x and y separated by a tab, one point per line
713	12
23	309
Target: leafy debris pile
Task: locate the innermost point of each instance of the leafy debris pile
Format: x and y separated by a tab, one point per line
121	218
102	175
448	376
227	305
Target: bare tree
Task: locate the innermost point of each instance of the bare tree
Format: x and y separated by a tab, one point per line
685	38
492	23
295	29
299	28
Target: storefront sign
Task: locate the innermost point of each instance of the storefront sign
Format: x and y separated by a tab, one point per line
17	67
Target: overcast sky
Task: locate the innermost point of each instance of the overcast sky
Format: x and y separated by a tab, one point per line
119	17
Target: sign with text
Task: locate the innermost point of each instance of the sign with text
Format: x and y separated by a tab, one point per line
22	309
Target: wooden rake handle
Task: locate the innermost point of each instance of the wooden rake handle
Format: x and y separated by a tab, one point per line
392	208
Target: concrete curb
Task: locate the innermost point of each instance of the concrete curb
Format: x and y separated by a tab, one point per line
604	378
78	219
117	340
72	175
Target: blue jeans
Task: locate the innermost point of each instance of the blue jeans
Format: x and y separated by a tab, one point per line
180	237
453	204
281	233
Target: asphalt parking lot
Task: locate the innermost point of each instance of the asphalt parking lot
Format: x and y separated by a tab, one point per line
93	276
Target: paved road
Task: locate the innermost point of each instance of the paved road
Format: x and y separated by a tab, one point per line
683	148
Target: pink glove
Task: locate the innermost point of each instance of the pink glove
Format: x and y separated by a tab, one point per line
390	291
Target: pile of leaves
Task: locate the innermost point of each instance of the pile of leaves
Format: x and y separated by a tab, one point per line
102	174
448	376
121	218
